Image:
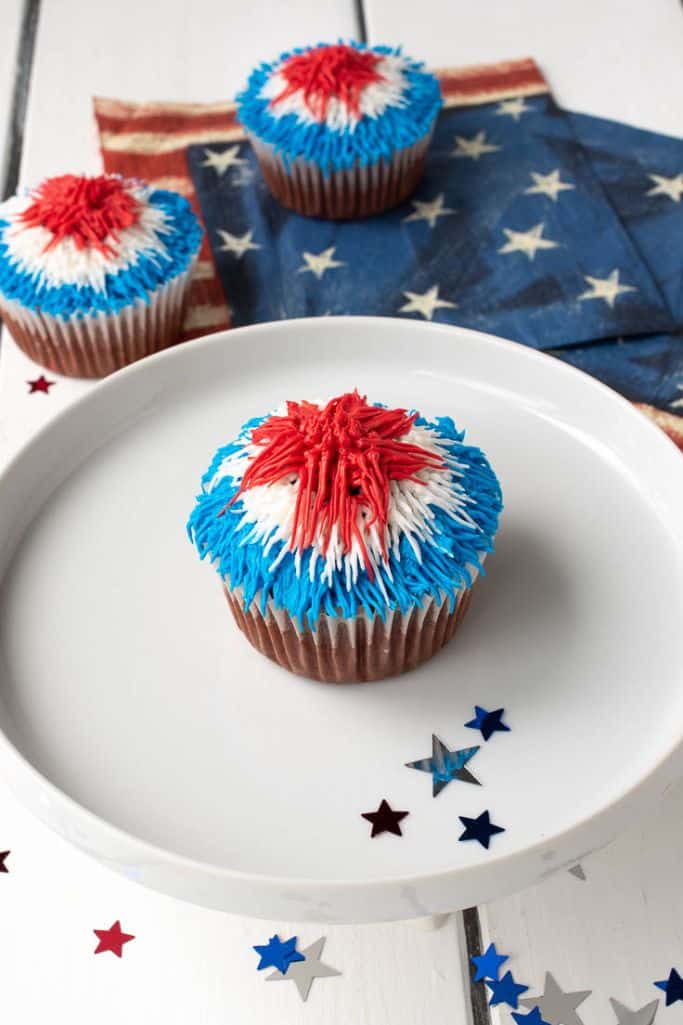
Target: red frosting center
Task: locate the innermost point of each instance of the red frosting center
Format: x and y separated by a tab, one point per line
337	71
91	211
342	458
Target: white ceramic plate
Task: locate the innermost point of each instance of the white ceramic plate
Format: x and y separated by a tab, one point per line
139	723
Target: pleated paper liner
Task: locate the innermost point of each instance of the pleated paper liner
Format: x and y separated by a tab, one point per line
359	191
98	344
355	650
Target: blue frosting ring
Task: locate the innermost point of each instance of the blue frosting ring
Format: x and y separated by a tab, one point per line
443	570
373	138
150	270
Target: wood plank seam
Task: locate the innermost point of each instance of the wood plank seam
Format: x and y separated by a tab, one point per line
24	64
481	1014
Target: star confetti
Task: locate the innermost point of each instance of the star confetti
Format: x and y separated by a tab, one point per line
3	857
532	1018
578	872
643	1016
446	765
488	722
311	967
279	955
673	987
556	1004
506	991
488	964
481	829
40	384
112	939
385	819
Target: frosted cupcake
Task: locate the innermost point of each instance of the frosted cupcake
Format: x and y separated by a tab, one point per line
94	271
340	131
348	536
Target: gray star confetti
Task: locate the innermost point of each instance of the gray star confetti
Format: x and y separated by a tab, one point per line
556	1006
578	872
302	973
645	1016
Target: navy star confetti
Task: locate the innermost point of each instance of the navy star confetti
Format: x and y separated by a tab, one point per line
385	819
278	954
446	765
488	723
4	855
480	829
505	991
673	987
532	1018
488	964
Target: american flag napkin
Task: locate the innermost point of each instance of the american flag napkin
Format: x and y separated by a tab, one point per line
555	230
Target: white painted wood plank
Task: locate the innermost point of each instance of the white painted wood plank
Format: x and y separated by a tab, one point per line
187	963
615	933
10	25
619	59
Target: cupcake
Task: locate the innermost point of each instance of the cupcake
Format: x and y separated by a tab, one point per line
347	536
340	131
94	271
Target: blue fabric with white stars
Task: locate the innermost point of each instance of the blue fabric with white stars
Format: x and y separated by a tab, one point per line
599	283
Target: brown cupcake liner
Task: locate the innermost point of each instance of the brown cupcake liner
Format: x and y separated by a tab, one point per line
355	650
359	191
97	345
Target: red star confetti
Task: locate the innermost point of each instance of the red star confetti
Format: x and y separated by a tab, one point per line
40	384
112	939
3	857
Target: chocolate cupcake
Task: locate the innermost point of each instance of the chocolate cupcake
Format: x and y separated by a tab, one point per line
340	131
94	271
347	536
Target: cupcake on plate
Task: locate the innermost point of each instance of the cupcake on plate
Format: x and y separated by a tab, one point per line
340	131
94	271
348	536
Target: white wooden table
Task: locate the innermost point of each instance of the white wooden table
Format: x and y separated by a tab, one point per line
613	933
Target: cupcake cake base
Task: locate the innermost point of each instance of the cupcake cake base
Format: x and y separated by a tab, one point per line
357	650
359	191
95	346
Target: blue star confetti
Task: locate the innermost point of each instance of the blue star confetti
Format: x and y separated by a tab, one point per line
446	765
480	829
488	964
506	991
673	987
276	954
488	722
532	1018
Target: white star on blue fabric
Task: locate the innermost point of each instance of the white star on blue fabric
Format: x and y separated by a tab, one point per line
221	161
513	108
671	187
238	245
608	288
527	242
429	211
548	184
474	147
425	302
318	263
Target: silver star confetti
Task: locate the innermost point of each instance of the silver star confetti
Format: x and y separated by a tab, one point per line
302	973
556	1006
644	1016
446	765
578	872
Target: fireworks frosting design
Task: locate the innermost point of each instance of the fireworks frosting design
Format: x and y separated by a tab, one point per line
78	245
342	505
340	104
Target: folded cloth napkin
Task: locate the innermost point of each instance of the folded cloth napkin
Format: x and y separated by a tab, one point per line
522	226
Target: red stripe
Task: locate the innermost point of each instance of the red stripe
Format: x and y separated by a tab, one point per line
480	81
167	124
